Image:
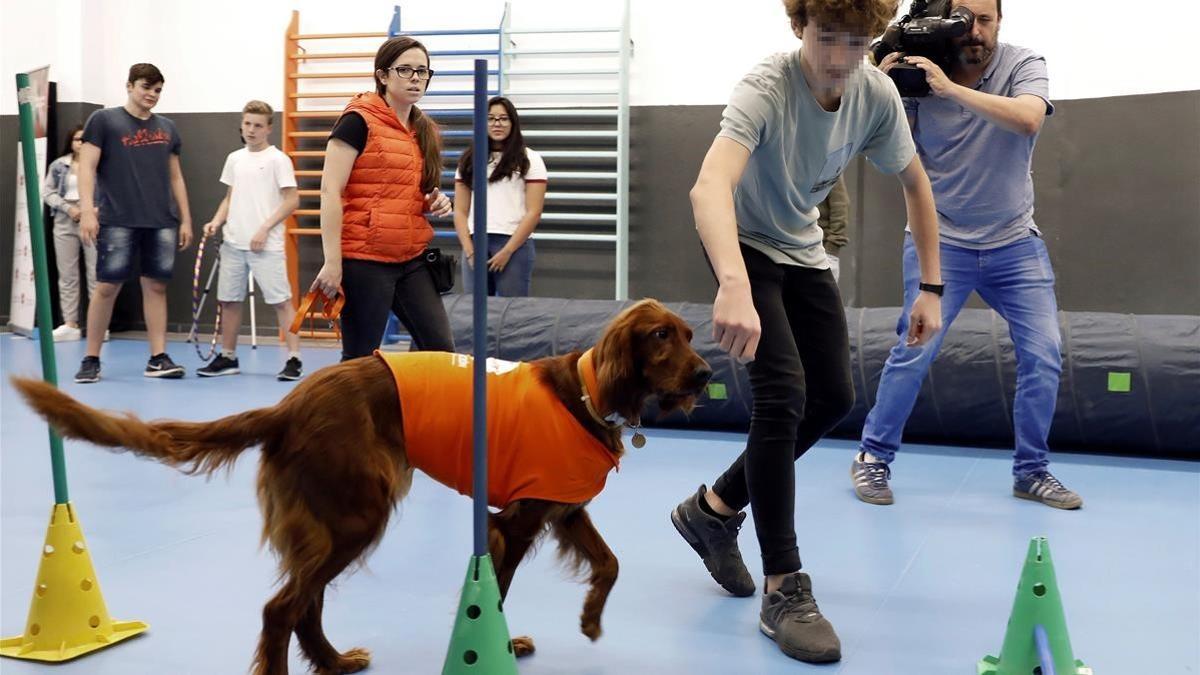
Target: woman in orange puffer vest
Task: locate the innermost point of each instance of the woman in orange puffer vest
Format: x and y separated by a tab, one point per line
382	170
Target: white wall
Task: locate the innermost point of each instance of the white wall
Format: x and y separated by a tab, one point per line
33	34
218	54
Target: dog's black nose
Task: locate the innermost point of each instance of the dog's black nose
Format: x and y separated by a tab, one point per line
701	376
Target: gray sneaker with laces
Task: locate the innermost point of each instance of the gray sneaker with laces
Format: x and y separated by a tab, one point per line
715	540
871	481
1044	487
791	618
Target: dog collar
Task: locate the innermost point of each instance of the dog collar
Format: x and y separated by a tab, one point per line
590	389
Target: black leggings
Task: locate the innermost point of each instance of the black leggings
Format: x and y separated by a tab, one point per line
800	379
373	288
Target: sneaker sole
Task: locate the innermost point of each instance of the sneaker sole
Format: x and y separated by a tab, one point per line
173	374
1034	498
799	655
87	380
288	378
878	501
701	551
219	373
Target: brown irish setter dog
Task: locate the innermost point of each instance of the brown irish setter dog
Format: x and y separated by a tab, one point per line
334	466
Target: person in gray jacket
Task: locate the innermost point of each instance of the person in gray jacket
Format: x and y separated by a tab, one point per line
61	194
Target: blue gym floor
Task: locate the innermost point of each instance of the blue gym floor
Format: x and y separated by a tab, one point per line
921	587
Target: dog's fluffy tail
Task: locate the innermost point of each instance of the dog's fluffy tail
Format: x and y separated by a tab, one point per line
193	447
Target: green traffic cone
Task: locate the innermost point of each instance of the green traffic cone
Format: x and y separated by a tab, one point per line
480	642
1037	604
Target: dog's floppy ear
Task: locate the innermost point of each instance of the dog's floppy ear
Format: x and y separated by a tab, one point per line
615	356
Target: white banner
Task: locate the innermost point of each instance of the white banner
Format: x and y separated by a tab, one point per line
24	290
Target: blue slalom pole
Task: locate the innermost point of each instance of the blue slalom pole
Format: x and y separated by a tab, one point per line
479	201
1042	641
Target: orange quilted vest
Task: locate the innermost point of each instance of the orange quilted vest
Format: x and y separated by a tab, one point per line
382	206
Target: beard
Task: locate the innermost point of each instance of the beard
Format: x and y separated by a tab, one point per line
972	57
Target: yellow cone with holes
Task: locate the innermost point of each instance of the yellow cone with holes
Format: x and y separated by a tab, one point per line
67	617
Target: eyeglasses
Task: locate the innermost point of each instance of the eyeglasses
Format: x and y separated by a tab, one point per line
406	72
498	120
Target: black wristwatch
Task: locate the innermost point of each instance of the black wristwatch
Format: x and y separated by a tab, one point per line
936	289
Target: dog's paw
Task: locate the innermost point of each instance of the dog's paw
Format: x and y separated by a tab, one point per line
522	645
590	628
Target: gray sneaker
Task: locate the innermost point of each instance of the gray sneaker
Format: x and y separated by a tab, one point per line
871	481
716	542
1044	487
791	618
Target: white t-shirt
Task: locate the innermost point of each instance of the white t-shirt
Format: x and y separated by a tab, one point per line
257	179
72	194
506	197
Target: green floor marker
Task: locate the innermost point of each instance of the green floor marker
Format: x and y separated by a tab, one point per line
716	391
1119	382
1037	604
480	641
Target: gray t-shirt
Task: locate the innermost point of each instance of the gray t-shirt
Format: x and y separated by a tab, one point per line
798	150
979	171
133	178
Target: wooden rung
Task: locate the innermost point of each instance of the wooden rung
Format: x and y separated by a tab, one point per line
304	56
333	36
307	212
306	76
309	172
308	134
304	230
326	94
324	114
309	193
307	153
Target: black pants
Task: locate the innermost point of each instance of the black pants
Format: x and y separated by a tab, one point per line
374	288
800	379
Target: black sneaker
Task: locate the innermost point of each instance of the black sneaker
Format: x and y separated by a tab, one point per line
161	366
222	365
791	618
89	370
292	370
716	542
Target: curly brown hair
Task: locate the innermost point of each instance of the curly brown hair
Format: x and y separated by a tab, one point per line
862	17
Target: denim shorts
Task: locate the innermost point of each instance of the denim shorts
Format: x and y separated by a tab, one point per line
117	247
268	267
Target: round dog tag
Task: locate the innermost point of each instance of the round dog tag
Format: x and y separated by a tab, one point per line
638	439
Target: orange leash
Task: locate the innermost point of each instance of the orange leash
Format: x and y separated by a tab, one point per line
330	308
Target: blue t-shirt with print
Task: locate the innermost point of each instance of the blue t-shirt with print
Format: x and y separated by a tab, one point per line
133	178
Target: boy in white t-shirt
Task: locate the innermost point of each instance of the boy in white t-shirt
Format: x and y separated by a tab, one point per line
261	194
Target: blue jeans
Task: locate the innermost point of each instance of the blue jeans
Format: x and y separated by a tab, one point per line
117	247
515	280
1018	283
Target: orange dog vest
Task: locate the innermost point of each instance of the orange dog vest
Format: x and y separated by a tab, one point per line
536	447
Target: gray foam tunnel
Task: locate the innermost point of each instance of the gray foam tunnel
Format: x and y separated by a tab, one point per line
1129	383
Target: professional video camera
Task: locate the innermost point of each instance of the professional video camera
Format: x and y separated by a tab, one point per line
927	30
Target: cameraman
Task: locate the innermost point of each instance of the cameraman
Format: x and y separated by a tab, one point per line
975	135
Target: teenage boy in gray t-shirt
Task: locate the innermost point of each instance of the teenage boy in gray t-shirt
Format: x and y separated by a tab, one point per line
789	131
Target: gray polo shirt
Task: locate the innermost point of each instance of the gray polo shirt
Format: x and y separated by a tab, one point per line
980	172
798	150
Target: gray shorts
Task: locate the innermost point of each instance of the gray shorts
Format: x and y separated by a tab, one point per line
268	267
